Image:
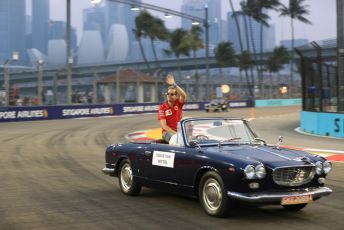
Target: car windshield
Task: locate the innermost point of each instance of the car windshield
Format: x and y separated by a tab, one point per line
215	131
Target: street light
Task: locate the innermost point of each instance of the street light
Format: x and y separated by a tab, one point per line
40	63
95	2
206	26
15	57
69	56
134	8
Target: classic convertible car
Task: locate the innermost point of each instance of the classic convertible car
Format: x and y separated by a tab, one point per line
221	161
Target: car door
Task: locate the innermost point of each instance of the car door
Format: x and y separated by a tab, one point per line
164	163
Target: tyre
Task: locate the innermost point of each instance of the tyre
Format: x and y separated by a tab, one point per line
294	207
126	179
212	195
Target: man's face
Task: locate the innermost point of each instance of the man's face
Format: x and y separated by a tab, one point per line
171	95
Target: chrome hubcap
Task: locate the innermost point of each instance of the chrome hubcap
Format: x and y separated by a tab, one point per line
126	177
212	194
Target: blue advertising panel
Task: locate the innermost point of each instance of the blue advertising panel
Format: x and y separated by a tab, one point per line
325	124
8	114
53	112
152	107
278	102
240	104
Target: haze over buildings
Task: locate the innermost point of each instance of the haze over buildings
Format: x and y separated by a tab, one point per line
96	39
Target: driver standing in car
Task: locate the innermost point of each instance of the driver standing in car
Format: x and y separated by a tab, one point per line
170	112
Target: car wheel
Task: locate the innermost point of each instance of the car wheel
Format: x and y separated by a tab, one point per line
294	207
212	195
207	110
126	179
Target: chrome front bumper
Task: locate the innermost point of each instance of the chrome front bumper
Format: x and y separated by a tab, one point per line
265	197
108	171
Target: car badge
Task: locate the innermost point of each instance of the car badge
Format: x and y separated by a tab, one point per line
176	108
294	174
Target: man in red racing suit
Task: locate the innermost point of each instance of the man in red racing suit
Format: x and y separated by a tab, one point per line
170	112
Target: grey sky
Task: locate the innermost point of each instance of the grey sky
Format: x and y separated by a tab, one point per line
322	15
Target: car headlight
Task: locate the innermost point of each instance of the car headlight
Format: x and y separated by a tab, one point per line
327	167
318	167
260	171
250	172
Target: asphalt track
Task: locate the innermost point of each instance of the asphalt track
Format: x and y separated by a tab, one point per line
51	179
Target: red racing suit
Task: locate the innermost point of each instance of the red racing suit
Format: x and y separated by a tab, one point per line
172	114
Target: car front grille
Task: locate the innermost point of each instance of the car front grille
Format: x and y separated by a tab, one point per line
293	176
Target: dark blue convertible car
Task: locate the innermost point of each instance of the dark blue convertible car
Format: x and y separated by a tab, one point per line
221	161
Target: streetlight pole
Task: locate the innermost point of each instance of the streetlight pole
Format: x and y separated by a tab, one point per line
206	25
6	81
15	57
69	56
340	60
39	80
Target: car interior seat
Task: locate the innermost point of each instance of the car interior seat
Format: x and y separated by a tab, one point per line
177	139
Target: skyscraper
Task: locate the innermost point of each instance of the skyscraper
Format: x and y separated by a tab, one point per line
12	29
94	19
40	24
197	8
117	13
233	34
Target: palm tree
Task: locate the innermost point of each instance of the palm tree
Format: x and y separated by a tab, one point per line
253	9
152	27
265	5
237	25
245	62
196	43
143	22
296	10
225	55
275	62
157	31
179	45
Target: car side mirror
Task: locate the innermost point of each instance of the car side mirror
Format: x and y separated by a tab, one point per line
194	144
280	140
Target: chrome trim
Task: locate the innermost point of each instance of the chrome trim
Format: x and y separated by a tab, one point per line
292	181
257	197
108	171
281	167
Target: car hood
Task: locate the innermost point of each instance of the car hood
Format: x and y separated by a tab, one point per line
269	156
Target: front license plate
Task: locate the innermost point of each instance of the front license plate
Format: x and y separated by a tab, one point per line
296	199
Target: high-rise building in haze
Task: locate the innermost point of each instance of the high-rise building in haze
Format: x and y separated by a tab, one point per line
233	34
12	29
94	19
40	24
117	13
197	8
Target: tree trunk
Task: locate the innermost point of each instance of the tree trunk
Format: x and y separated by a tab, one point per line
260	70
179	68
155	55
143	54
291	89
254	50
271	87
197	76
248	49
237	26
